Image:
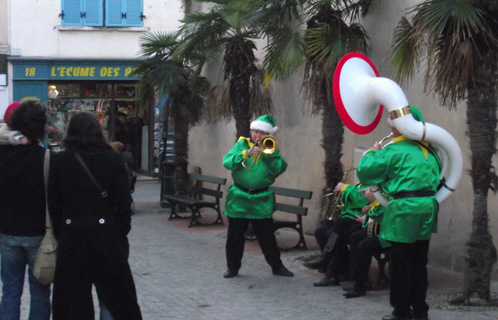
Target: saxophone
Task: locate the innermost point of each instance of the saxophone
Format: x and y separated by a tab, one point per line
333	204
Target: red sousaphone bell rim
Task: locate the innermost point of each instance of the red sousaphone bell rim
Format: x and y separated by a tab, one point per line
341	109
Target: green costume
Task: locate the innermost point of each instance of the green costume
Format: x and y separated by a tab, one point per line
376	213
353	201
406	219
266	168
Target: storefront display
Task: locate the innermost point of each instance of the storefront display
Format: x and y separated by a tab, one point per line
103	86
66	98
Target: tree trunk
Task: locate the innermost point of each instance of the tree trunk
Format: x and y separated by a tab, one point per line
239	67
180	177
333	137
481	121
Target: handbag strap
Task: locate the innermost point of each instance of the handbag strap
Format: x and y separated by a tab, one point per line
103	193
46	168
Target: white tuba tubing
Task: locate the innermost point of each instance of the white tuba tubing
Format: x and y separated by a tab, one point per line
386	92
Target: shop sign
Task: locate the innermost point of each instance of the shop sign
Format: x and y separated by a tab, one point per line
56	70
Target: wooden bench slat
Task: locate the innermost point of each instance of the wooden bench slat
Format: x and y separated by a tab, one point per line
196	204
293	193
210	179
302	211
206	191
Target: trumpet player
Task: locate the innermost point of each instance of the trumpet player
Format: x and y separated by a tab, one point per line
408	171
250	198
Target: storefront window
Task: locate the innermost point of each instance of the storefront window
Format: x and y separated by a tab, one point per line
64	99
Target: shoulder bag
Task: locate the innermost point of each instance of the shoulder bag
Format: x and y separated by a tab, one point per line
44	269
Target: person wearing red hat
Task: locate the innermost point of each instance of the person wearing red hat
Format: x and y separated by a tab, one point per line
8	136
22	222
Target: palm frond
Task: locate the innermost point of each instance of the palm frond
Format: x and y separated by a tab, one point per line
274	14
357	9
157	43
405	52
448	33
285	53
202	30
328	44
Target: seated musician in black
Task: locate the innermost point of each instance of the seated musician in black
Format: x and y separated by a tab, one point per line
336	253
364	244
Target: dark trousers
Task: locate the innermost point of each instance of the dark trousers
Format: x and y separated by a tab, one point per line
339	258
367	247
354	242
322	234
408	270
263	229
93	256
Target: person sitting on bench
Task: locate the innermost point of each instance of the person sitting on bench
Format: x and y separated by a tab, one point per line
335	255
364	244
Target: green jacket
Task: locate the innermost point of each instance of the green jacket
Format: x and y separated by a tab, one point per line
401	166
266	168
353	201
376	213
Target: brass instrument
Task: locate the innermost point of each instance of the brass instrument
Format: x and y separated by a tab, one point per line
267	145
333	204
385	138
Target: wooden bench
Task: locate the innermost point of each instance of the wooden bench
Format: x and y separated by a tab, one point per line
195	199
298	210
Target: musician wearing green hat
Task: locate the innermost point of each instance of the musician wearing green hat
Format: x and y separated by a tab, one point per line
250	198
408	171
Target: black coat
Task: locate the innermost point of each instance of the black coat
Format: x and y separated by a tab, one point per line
22	190
93	247
72	194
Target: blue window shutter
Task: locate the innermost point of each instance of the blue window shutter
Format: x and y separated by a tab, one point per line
94	12
134	9
113	13
72	13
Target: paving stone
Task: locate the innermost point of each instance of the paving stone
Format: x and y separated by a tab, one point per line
178	274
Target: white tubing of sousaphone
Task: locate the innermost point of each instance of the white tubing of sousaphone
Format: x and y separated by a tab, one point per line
358	89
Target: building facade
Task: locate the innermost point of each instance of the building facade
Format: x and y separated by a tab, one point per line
78	55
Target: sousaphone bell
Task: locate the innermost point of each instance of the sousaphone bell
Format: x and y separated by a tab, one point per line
360	96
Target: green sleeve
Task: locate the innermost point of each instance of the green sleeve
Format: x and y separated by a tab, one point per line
274	163
233	159
373	167
353	201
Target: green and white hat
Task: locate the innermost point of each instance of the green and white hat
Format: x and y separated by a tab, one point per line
264	123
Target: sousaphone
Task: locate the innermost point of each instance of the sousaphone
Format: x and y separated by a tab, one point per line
360	96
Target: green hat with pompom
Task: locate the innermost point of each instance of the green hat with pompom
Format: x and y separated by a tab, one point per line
264	123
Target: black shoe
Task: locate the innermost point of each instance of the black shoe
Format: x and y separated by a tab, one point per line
348	288
394	317
230	274
316	264
354	294
326	282
282	271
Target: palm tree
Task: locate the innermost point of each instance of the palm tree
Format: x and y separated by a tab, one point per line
224	28
179	80
312	36
458	42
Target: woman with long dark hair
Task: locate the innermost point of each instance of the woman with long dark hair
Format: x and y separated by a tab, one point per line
89	202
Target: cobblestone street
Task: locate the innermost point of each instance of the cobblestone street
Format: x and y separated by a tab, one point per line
179	275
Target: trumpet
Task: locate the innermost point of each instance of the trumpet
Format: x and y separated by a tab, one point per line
333	204
267	145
